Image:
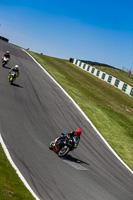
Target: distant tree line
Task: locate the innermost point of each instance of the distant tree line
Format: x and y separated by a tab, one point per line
95	63
103	64
3	38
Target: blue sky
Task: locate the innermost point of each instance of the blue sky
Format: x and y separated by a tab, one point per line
95	30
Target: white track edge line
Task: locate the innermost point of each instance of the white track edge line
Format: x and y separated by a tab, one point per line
83	115
16	169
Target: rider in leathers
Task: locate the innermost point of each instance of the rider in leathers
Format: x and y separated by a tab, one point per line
14	69
73	137
7	55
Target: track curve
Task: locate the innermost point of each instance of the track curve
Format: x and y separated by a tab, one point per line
33	112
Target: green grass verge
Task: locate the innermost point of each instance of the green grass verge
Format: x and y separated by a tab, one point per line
11	187
109	109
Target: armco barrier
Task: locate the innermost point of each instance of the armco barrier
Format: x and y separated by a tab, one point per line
105	77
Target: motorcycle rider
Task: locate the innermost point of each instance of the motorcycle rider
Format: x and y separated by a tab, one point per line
73	137
7	55
14	69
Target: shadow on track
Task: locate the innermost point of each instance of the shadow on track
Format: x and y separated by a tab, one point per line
6	67
72	159
16	85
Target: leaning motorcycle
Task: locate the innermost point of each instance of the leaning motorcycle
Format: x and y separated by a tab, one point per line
4	61
12	77
61	146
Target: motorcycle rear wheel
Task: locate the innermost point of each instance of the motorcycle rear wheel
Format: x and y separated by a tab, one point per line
63	151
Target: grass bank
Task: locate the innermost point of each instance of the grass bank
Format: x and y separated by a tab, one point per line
109	109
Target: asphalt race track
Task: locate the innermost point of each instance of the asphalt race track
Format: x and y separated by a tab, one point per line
33	112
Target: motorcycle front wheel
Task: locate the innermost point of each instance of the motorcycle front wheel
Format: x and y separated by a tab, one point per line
10	81
63	151
51	146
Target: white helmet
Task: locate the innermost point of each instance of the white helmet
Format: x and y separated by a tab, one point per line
7	52
16	66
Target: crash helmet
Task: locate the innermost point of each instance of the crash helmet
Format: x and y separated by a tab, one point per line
7	52
16	66
78	132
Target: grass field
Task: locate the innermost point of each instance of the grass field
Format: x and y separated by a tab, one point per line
110	110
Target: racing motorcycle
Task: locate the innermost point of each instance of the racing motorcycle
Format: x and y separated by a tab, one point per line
12	77
62	146
4	61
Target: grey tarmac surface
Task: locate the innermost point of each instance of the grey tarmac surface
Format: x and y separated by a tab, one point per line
33	112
